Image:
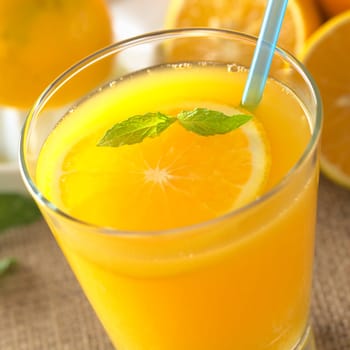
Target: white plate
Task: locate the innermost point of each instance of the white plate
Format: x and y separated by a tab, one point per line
130	18
11	121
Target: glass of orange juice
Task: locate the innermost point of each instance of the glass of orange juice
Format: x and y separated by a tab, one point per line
183	231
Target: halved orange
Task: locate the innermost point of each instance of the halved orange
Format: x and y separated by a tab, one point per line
327	55
301	19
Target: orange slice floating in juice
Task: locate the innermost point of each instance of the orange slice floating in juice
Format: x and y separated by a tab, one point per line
175	179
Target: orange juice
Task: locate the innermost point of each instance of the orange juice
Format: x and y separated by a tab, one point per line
164	280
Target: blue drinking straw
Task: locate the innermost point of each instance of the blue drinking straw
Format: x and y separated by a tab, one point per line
263	53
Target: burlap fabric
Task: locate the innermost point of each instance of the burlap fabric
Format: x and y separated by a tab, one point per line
42	307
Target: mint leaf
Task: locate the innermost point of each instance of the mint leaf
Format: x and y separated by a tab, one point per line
6	264
16	209
201	121
206	122
135	129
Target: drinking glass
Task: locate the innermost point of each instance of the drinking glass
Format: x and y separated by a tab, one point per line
239	281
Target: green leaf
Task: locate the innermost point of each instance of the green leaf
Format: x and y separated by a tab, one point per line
135	129
6	264
206	122
201	121
16	209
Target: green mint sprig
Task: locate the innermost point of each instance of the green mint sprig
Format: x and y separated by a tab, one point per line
201	121
15	210
6	265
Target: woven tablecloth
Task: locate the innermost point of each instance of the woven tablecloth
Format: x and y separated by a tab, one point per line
43	308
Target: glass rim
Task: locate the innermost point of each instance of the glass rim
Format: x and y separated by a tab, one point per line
149	38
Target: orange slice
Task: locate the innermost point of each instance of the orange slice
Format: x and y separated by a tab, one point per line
301	19
175	179
41	39
326	55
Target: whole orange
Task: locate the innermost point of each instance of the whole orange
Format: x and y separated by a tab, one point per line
334	7
39	39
